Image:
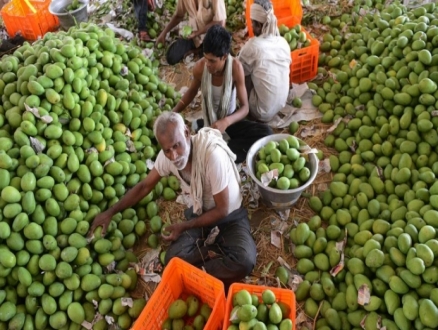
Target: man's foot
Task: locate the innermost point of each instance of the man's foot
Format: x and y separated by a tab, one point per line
144	36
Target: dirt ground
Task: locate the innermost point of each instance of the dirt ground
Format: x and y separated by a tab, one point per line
265	222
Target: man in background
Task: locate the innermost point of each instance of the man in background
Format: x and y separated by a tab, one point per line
141	8
266	62
202	15
221	79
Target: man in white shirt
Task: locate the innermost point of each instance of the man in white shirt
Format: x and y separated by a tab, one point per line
202	15
266	62
205	165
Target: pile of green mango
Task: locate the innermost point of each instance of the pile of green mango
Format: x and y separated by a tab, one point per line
284	156
187	314
75	132
251	313
295	36
382	71
75	4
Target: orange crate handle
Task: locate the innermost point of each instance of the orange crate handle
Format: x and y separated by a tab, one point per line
27	3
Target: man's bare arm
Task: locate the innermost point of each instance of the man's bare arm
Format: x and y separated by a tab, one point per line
174	21
242	96
132	197
190	94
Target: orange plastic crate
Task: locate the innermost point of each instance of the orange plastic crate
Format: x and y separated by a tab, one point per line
288	12
18	17
304	64
283	295
179	280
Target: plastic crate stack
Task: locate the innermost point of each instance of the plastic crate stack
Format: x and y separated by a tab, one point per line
31	18
304	64
181	279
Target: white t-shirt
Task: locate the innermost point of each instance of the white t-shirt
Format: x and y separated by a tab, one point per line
218	175
267	60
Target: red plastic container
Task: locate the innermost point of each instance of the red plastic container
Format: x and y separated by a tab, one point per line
32	21
288	12
283	295
304	64
179	280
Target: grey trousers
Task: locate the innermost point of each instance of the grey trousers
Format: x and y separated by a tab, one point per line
230	258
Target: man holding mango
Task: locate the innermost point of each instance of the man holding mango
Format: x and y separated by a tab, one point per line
216	235
202	15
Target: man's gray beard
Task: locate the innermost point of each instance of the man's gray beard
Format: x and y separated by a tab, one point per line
180	168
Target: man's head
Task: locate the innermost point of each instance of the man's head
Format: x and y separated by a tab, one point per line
263	18
174	138
216	46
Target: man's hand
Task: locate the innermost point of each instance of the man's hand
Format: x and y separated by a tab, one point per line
102	219
151	5
221	124
175	231
193	35
161	39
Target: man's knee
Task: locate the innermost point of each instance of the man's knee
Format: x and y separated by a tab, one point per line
246	259
178	49
247	265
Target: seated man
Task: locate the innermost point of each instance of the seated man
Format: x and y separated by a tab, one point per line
266	63
221	78
202	15
205	165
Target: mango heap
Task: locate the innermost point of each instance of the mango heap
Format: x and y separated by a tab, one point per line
250	313
187	314
76	117
75	4
382	72
295	36
285	157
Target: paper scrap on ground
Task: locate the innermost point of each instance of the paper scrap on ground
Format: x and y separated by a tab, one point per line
310	131
189	61
284	214
143	266
324	166
279	225
122	32
45	119
303	320
283	263
363	295
288	114
294	281
127	302
276	238
36	145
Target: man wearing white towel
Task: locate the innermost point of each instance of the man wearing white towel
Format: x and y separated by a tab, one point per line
205	166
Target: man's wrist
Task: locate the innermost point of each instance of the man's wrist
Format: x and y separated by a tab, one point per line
227	122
